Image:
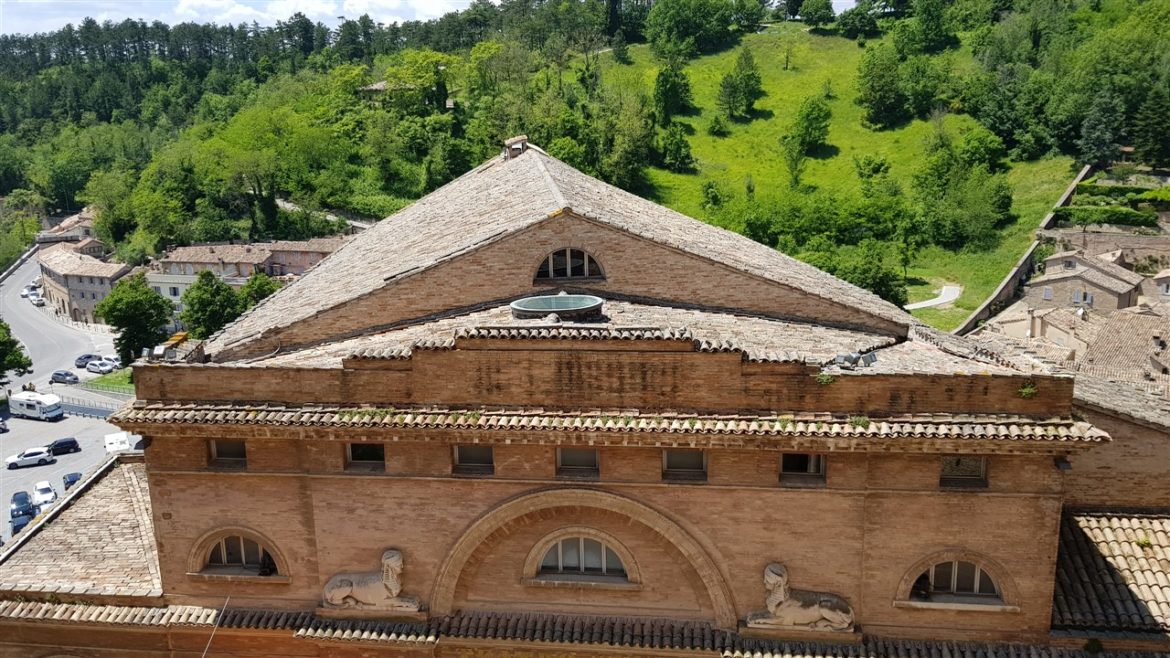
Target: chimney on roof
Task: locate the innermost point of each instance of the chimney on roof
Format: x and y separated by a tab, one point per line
514	146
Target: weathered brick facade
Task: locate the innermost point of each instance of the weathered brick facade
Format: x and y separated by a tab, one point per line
472	542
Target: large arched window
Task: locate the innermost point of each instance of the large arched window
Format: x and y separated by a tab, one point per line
581	556
569	263
235	554
956	581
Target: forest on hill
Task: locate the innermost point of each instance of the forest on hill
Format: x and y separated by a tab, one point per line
901	139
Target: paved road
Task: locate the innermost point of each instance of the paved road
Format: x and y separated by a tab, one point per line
24	433
948	295
50	344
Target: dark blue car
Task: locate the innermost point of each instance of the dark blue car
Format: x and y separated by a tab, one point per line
18	523
71	479
21	505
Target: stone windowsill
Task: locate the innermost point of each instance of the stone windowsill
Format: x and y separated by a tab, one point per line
957	605
213	577
583	583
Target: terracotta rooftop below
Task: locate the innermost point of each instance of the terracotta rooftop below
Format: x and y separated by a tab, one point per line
97	540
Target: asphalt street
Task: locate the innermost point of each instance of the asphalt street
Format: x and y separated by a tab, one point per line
52	346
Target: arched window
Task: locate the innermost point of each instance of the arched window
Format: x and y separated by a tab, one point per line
956	581
234	554
569	263
581	556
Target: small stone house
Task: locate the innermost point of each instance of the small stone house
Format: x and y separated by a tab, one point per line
74	283
1072	279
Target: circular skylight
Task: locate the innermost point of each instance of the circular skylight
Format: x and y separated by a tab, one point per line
565	306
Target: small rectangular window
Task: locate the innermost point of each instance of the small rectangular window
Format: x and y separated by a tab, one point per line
963	471
1048	293
365	457
227	454
688	464
1089	298
798	469
474	460
1070	264
577	462
1076	296
174	291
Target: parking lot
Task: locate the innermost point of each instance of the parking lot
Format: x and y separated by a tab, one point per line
23	434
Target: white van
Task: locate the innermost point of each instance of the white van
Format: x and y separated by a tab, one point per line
38	406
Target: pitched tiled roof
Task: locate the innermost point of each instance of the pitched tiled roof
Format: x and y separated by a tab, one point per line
1126	344
62	259
1100	264
759	339
1113	573
99	539
1122	398
1090	275
325	245
218	253
502	197
936	427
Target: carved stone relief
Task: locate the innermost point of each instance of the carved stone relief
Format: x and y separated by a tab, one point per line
789	607
373	590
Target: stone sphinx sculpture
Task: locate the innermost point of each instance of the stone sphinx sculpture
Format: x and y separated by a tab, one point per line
794	607
371	590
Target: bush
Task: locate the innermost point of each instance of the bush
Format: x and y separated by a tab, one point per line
718	127
1089	188
1084	215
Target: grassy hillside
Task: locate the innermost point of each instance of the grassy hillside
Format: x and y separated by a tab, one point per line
753	148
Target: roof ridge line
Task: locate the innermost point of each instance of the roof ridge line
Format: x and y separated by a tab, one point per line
558	197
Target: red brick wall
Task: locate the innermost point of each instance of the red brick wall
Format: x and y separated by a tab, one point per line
1130	471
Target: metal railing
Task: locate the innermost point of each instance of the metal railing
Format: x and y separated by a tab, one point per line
93	408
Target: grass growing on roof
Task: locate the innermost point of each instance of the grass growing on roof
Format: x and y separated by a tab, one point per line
753	148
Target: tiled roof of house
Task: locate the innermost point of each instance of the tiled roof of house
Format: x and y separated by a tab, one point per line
98	539
219	253
1089	275
1113	573
1126	343
500	198
1101	264
1125	399
325	245
1164	274
621	424
62	259
83	218
759	339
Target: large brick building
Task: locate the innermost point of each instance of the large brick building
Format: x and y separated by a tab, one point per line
706	449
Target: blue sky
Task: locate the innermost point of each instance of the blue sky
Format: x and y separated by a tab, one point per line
29	16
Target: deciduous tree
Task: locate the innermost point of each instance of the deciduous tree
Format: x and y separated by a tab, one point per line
138	313
13	360
1151	130
209	304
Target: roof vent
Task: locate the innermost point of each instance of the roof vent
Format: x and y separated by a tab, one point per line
566	307
514	146
853	360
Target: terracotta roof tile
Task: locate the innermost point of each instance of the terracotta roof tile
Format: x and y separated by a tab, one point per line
1113	573
999	428
99	538
502	197
218	253
62	259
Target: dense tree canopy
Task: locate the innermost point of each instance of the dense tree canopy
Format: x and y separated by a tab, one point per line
13	360
138	313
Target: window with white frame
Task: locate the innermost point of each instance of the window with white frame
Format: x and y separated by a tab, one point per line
474	460
1048	293
956	581
236	554
569	263
577	462
799	468
686	464
581	556
963	471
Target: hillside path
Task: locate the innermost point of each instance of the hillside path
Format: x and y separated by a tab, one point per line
949	294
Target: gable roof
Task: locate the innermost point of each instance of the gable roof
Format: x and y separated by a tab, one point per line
62	259
502	197
1088	275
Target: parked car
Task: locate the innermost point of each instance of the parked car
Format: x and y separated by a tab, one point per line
31	457
84	359
21	505
113	360
36	300
36	283
64	446
64	377
70	479
18	523
44	494
100	367
25	291
3	426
